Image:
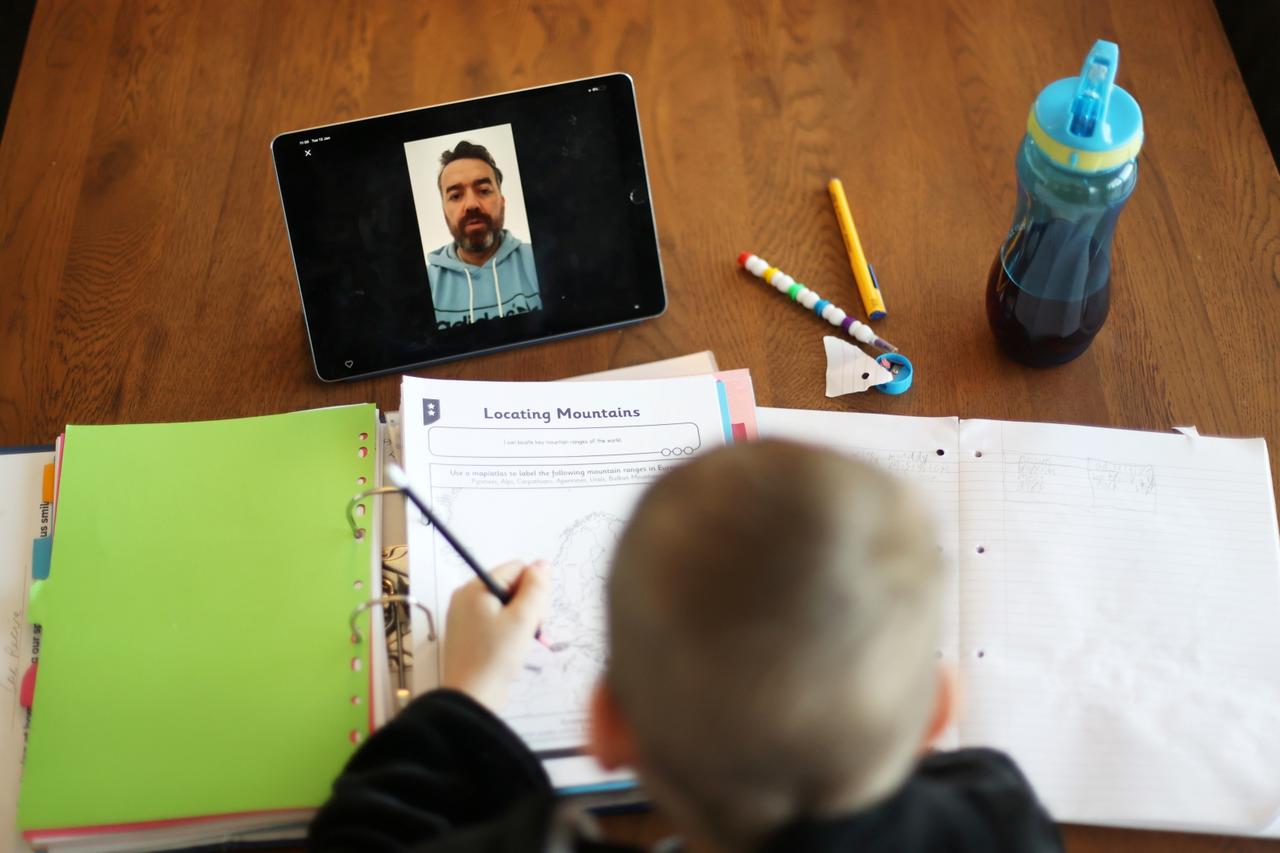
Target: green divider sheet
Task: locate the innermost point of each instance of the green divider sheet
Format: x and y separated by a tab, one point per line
196	654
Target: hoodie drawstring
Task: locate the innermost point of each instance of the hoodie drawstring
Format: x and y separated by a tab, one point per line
497	292
471	299
471	293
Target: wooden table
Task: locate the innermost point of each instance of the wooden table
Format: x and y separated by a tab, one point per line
144	272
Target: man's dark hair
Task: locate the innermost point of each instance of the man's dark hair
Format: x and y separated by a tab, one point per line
465	150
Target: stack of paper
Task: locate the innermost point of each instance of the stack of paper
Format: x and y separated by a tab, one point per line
26	514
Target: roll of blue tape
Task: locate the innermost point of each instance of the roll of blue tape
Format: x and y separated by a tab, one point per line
902	380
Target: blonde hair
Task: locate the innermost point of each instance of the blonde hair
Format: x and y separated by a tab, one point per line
773	613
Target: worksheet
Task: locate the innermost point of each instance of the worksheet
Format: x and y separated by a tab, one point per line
551	470
1112	604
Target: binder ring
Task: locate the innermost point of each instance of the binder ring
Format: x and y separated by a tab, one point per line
351	506
391	599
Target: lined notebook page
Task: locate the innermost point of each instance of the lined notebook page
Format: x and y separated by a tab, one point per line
1120	621
923	451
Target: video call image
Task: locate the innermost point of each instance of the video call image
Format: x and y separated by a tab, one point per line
474	228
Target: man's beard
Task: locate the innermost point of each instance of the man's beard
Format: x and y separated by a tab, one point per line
477	242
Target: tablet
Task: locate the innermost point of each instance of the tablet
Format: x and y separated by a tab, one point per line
470	227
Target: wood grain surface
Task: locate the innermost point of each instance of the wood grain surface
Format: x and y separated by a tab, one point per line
145	274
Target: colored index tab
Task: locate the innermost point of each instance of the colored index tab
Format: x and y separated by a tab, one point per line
41	552
35	603
27	692
46	487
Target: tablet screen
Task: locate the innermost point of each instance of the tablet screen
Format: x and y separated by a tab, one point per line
463	228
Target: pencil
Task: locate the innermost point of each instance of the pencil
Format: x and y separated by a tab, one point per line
868	287
400	480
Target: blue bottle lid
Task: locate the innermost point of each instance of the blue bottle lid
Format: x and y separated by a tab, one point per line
1088	123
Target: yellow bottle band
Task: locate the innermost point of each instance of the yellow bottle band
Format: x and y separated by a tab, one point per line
1079	159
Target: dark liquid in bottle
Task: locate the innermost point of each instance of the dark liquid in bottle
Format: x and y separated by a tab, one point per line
1042	332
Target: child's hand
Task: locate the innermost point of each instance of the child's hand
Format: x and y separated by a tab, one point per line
485	643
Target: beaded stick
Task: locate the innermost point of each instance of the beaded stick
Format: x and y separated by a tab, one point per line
802	295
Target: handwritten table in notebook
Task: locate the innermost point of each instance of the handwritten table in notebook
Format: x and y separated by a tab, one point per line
144	273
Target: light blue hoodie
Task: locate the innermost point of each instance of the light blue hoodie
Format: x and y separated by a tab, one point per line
463	293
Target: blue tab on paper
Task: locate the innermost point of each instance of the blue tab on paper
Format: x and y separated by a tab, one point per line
723	394
41	552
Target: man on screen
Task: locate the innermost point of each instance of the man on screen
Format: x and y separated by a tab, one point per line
486	272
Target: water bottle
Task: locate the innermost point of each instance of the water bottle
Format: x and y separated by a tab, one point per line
1050	286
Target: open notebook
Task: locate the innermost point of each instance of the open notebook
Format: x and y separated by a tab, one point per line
1112	605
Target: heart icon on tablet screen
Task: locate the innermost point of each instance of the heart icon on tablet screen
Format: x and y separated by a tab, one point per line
348	362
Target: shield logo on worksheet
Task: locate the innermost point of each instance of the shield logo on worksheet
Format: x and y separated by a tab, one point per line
430	411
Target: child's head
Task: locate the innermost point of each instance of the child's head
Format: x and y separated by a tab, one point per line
773	619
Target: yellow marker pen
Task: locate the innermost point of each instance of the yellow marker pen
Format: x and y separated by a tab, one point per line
868	287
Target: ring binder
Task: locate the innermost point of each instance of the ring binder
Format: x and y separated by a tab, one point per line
120	715
395	591
403	693
390	599
356	530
